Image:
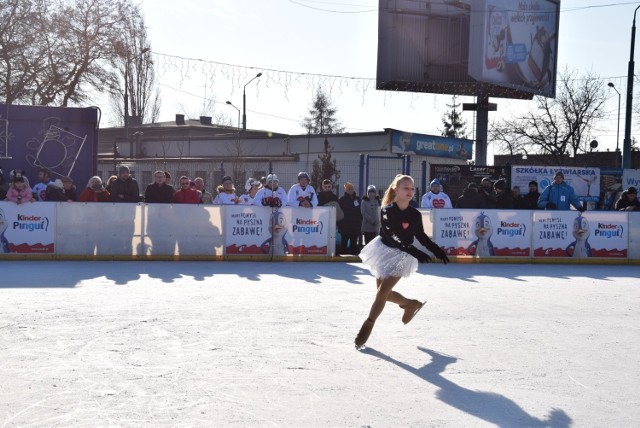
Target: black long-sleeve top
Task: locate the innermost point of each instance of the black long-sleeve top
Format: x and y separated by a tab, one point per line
399	228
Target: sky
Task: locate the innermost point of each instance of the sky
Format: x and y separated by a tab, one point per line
206	51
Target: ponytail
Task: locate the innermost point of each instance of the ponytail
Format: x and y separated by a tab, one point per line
390	194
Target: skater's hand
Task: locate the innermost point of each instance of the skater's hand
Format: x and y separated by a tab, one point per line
440	254
424	258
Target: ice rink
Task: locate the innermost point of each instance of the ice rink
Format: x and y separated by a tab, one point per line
184	344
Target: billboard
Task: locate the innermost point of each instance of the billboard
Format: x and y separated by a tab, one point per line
515	44
584	180
61	139
431	46
455	178
431	145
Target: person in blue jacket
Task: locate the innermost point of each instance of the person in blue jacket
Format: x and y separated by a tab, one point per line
559	195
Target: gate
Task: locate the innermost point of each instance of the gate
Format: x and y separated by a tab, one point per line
381	170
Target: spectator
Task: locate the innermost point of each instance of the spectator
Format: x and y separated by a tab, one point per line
19	192
186	194
302	194
326	195
486	191
226	193
271	195
628	200
519	202
436	198
4	186
251	186
94	192
159	192
504	198
559	195
40	189
531	198
351	224
470	198
69	189
110	181
205	197
370	210
125	188
55	191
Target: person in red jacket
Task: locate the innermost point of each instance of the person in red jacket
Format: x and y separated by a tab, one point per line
94	192
186	194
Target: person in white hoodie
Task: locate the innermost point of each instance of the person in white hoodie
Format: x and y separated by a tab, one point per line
302	194
271	195
436	198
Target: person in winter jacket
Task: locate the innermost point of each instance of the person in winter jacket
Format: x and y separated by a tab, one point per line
125	188
326	194
226	193
559	195
94	192
251	186
370	209
486	191
504	197
19	192
160	191
531	198
471	198
271	195
186	194
302	194
436	198
628	200
205	197
55	192
39	190
351	224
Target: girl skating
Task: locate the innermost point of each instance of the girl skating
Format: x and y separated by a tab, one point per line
391	255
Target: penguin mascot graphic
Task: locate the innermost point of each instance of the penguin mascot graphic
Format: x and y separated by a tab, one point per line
4	243
483	230
580	247
278	240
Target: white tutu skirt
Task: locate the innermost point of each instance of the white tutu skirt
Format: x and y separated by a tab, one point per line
384	261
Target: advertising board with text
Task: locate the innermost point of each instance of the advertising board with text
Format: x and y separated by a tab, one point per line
27	228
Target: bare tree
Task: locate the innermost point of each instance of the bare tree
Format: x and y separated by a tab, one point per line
560	127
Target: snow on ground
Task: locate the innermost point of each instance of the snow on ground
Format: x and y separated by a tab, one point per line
88	344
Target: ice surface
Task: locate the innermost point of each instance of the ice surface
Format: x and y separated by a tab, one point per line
271	344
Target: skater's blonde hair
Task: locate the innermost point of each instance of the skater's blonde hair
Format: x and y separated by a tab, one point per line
390	194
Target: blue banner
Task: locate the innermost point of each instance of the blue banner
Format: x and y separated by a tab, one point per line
431	145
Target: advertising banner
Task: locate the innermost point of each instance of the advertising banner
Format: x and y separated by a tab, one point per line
630	178
431	145
574	234
585	181
253	230
483	233
27	228
455	178
515	44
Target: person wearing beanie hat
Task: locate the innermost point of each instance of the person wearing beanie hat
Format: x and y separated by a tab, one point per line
94	192
488	194
628	200
559	195
19	191
531	198
370	210
125	188
252	185
435	198
504	197
351	224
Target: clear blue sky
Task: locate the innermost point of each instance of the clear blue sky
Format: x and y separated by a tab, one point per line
295	42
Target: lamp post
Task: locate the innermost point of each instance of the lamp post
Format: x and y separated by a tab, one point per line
626	145
126	92
244	103
231	104
611	85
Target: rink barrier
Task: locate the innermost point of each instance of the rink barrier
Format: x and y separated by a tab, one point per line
168	232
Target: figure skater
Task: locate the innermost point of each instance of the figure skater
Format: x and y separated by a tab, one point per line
391	255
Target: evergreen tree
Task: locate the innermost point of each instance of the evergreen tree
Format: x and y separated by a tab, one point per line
324	167
322	116
454	125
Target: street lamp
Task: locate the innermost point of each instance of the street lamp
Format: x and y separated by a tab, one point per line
126	91
231	104
626	145
244	103
611	85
